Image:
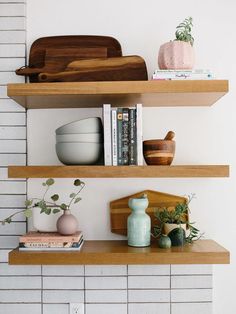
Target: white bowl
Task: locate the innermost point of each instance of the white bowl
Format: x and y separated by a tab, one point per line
89	125
79	153
81	137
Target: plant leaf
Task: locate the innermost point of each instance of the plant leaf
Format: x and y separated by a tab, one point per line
55	197
42	210
28	213
56	210
50	182
77	200
48	211
8	220
28	203
63	206
77	182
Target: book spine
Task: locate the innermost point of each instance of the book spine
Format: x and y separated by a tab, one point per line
197	71
107	134
119	135
48	249
50	244
114	136
182	76
139	129
53	239
125	137
132	137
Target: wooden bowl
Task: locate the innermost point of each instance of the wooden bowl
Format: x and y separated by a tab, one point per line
159	152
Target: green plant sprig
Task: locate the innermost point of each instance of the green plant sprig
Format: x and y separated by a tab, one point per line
183	31
48	207
178	216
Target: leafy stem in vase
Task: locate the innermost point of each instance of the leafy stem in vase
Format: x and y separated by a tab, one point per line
48	206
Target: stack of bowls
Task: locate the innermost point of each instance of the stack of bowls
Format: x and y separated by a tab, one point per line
80	142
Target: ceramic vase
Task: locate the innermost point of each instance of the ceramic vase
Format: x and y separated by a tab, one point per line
176	55
139	223
67	224
43	222
169	227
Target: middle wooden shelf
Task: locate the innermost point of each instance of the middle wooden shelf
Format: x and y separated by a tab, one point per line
178	171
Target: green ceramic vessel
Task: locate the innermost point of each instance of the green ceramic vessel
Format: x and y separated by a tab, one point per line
139	223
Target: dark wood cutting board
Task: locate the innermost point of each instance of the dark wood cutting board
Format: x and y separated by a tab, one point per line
129	68
43	47
119	210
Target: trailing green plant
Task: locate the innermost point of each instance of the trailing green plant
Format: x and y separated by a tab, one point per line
179	215
51	206
183	31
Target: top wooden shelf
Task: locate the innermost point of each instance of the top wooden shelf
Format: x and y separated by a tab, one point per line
120	94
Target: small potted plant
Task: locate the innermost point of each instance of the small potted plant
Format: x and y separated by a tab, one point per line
175	224
65	223
178	54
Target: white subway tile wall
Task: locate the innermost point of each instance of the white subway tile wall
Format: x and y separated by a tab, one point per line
107	289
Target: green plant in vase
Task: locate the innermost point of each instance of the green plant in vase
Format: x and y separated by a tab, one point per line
183	31
49	205
178	54
175	224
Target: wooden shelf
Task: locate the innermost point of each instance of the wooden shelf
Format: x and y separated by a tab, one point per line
124	93
117	252
118	171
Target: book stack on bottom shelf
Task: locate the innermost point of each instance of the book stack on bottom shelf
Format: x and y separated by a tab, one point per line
123	144
52	241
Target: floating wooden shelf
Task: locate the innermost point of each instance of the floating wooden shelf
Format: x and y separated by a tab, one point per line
124	93
118	171
117	252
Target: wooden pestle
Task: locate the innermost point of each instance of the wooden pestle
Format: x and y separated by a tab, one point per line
169	136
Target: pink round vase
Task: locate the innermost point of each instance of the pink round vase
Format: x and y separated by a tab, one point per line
176	55
67	224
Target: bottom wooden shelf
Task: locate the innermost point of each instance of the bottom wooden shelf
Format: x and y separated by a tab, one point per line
118	252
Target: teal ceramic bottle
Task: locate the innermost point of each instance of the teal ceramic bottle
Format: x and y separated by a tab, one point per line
139	223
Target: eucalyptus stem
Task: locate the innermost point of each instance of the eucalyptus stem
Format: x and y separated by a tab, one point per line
82	186
45	205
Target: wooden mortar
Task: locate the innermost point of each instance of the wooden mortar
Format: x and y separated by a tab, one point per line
160	152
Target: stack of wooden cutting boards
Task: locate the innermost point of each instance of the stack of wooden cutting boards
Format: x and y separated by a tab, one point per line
81	58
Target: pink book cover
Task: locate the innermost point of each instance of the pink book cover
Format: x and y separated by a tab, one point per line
35	236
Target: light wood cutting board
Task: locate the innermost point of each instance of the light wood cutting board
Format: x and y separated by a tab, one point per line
119	210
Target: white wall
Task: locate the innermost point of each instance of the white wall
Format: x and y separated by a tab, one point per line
203	135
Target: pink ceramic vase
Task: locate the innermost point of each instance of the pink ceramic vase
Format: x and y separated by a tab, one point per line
176	55
67	224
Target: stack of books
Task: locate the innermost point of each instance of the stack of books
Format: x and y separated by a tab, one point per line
42	241
182	75
123	136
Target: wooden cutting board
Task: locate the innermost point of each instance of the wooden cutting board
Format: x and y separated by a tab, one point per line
57	59
119	210
44	46
129	68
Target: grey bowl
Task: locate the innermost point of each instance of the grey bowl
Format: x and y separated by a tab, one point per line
81	137
79	153
89	125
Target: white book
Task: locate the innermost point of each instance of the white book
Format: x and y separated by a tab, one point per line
114	136
139	126
107	134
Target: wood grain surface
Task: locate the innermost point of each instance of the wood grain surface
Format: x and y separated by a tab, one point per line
119	210
44	47
130	68
188	171
118	253
95	94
